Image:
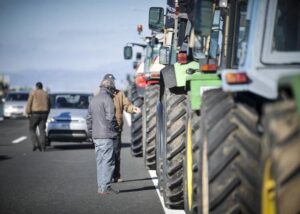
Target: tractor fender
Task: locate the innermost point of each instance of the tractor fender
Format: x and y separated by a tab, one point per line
169	76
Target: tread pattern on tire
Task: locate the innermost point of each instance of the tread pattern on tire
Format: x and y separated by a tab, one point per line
151	99
175	150
281	143
194	117
136	125
233	152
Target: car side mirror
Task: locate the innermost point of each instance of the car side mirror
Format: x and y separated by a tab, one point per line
127	52
156	19
164	55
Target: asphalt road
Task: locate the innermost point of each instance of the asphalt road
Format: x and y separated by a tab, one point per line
63	179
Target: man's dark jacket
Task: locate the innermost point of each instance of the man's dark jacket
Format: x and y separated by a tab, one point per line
101	121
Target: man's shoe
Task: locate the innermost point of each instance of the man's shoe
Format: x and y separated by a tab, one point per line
110	190
117	180
103	193
34	148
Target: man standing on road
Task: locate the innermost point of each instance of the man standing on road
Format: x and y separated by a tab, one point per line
37	109
121	103
102	126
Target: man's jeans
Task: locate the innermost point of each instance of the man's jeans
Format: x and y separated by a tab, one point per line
117	149
38	120
105	160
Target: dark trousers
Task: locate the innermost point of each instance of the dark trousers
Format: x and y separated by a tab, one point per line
117	150
38	120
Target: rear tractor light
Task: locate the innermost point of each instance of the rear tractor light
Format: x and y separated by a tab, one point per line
237	78
182	58
208	68
140	81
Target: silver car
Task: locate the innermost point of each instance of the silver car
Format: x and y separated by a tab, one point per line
15	104
67	117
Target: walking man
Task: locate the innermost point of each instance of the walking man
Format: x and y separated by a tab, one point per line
102	126
37	109
121	104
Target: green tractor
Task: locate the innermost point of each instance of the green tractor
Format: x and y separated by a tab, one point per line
145	93
207	44
183	81
249	139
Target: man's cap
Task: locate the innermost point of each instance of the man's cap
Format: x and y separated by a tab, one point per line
109	77
108	83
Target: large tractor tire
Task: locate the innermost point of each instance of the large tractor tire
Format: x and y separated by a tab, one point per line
151	98
191	170
159	144
280	164
230	154
136	125
174	149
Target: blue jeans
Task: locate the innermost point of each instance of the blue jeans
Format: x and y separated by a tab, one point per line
105	160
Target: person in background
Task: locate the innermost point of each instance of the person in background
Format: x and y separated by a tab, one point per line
37	109
102	127
121	103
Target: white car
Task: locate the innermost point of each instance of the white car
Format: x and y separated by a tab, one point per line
15	104
67	117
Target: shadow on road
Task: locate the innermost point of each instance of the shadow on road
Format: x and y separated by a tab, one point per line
138	189
71	147
4	157
139	179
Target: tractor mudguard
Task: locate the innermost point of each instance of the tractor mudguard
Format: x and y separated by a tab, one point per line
169	76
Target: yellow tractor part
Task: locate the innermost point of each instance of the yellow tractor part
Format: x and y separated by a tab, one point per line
189	165
268	191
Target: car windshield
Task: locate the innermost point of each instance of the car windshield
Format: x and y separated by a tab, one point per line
74	101
17	97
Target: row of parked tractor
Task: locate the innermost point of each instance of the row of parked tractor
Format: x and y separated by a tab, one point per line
219	84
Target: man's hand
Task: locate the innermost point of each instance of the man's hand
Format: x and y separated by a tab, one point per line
136	110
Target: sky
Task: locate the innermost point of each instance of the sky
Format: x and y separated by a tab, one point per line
69	45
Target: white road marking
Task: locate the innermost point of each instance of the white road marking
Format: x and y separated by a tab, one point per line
155	182
19	140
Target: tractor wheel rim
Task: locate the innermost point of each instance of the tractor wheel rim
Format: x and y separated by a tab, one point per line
269	192
189	165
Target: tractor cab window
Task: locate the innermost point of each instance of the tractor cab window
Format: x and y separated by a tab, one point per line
281	43
216	35
286	37
241	29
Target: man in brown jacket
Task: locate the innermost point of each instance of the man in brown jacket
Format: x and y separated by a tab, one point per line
38	107
121	103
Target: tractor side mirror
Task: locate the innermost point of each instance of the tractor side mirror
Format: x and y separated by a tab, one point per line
127	52
156	19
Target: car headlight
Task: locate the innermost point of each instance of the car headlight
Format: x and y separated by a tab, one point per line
7	107
82	120
50	120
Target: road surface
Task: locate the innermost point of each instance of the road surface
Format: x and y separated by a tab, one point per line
63	179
